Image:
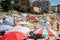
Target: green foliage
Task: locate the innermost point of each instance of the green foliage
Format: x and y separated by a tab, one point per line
37	13
6	5
43	12
22	6
31	9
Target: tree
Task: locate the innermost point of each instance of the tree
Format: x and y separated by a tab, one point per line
22	5
6	5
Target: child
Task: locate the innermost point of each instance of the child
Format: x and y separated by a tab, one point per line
16	22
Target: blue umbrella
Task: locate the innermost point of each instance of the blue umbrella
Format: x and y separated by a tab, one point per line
9	18
45	23
5	27
0	23
10	23
46	19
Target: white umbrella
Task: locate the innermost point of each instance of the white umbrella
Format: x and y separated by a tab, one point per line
19	29
10	23
5	27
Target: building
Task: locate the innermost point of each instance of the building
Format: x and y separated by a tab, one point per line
45	5
58	8
54	8
36	6
36	3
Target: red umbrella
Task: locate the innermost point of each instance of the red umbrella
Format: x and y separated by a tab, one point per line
14	36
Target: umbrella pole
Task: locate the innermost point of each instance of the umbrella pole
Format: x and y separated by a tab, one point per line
35	38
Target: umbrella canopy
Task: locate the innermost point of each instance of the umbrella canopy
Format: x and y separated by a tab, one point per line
14	36
0	23
45	31
45	23
9	18
19	29
11	23
47	18
5	27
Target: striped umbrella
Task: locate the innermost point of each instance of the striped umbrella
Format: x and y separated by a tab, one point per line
45	31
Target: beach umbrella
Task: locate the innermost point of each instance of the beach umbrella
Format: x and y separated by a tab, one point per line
5	27
10	23
45	23
14	36
19	29
9	18
44	31
47	18
0	23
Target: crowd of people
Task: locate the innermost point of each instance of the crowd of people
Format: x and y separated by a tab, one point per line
27	23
